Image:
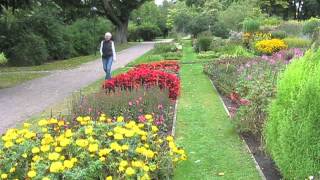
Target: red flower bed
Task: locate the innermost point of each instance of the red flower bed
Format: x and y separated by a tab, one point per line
167	66
147	77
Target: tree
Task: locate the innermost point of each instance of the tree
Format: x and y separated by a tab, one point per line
118	12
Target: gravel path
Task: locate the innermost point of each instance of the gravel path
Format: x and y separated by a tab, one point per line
21	102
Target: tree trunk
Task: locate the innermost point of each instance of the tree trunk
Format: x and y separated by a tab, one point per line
121	33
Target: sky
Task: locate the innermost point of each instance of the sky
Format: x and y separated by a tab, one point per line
158	1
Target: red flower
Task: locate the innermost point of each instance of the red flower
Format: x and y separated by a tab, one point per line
244	102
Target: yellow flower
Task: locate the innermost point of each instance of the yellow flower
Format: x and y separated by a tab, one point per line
24	155
120	119
42	122
143	138
36	158
8	144
35	150
47	139
130	171
13	169
65	142
109	178
118	136
4	176
102	118
125	147
45	148
74	160
93	147
129	133
68	164
137	164
88	130
102	159
148	116
53	121
56	167
123	163
103	152
169	138
154	129
82	142
61	123
68	133
53	156
44	130
153	167
32	174
58	149
45	178
145	177
146	168
26	125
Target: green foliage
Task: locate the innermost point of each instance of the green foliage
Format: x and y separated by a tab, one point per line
292	28
251	25
164	48
203	43
29	50
271	21
291	133
3	59
278	34
172	56
208	55
132	32
295	42
237	12
311	25
148	31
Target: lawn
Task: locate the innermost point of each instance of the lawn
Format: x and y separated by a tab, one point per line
12	76
205	131
9	80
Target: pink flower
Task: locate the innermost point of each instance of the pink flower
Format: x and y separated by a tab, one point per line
130	103
160	106
142	119
244	102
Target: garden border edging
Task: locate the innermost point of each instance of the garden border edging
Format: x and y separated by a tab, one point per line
174	119
246	145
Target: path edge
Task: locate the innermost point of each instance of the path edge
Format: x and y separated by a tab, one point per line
263	177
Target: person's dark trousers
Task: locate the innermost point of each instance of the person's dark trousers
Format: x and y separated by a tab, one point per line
107	63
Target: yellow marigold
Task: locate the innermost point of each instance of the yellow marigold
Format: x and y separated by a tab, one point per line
24	155
45	148
169	138
65	142
120	119
148	117
68	164
130	171
105	151
68	133
45	178
153	167
56	167
109	178
118	136
93	147
110	133
42	122
82	142
35	150
115	146
154	129
145	177
8	144
270	46
125	147
123	163
32	174
61	123
13	169
53	156
88	130
4	176
36	158
58	149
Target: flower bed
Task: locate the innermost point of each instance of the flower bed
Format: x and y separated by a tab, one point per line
250	84
166	66
147	77
88	149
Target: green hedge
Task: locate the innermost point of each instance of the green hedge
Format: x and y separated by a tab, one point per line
292	133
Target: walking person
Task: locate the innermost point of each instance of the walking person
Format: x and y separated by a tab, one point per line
108	54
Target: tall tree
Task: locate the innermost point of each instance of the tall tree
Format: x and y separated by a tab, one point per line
118	12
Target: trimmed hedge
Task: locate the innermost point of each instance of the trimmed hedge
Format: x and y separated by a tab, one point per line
292	131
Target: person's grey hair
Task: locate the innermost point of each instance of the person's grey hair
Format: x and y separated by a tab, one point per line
108	34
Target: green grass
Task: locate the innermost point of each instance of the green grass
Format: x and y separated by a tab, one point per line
63	64
206	132
10	80
12	76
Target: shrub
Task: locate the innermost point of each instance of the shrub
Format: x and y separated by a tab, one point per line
172	56
292	28
203	43
3	59
132	32
235	36
295	42
271	21
132	105
28	51
234	51
208	55
164	48
278	34
251	25
311	25
291	133
148	31
270	46
88	148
